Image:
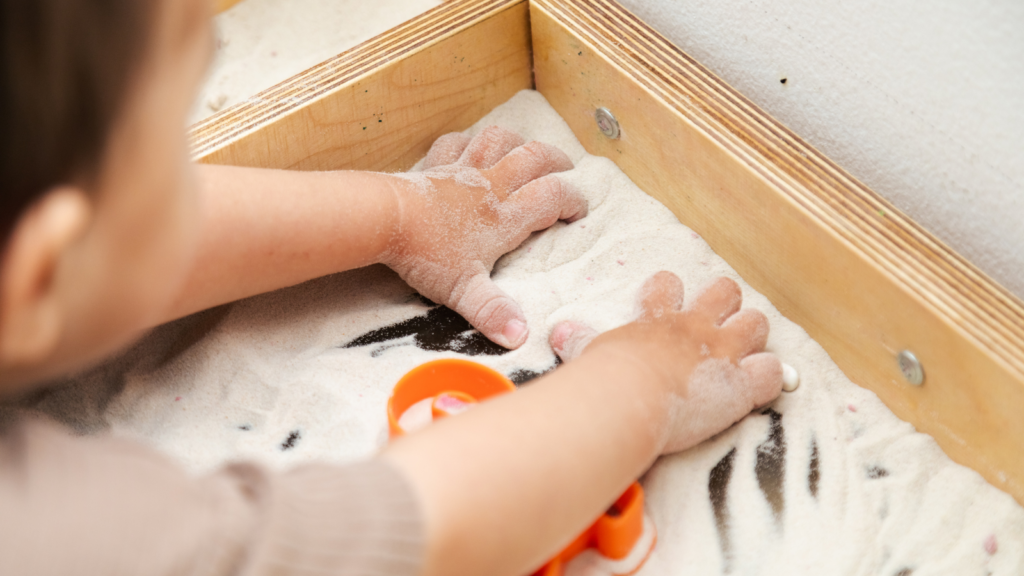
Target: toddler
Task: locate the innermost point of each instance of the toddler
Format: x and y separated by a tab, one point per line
107	230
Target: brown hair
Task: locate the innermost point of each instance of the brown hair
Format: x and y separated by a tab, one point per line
66	66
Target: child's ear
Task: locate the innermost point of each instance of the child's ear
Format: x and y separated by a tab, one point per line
31	310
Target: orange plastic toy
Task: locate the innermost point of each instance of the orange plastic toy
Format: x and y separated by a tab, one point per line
444	380
617	544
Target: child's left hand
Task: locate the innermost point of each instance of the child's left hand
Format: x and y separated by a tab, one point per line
475	201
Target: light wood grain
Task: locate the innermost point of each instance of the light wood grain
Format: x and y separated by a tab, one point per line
863	279
380	105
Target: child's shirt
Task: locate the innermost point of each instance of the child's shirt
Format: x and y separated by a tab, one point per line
105	506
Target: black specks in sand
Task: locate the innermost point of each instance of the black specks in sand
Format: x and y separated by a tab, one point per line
904	572
245	427
814	472
439	330
293	438
718	489
378	351
876	472
771	461
520	377
783	80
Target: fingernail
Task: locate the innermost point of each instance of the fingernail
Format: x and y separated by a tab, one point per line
514	332
560	335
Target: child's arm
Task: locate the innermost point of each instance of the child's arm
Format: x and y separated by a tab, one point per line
501	487
441	229
507	484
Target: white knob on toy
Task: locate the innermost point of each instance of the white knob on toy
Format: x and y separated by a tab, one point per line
790	378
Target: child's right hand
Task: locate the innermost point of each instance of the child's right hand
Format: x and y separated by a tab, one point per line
707	356
476	200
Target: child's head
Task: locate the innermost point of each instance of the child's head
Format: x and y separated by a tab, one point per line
97	211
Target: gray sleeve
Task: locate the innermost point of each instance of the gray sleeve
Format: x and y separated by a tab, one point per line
103	506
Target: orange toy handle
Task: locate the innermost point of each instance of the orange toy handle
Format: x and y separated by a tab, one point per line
450	378
618	529
614	534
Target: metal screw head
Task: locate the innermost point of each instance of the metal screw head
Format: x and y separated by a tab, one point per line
607	123
911	367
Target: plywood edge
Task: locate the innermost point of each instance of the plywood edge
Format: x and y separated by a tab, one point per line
862	278
448	66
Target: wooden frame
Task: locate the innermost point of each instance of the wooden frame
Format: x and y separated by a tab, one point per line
862	278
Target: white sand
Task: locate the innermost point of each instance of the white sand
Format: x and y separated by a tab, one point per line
263	42
246	380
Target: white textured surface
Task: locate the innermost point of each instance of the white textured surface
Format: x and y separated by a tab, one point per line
263	42
828	481
922	101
